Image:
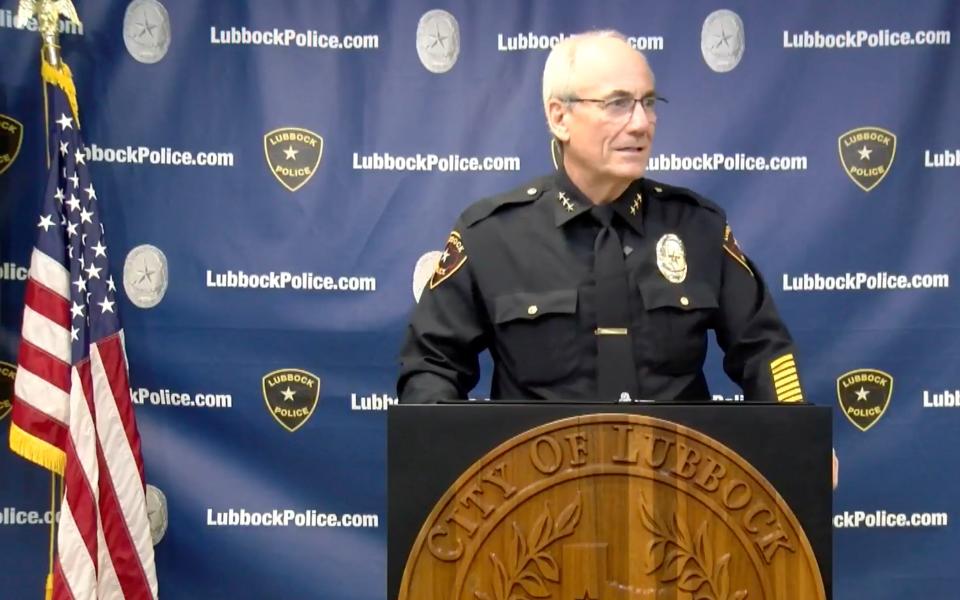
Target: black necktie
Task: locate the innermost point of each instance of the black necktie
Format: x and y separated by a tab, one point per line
616	371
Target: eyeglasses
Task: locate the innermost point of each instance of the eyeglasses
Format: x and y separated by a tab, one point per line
622	107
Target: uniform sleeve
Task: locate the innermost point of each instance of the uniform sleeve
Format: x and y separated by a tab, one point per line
759	353
439	358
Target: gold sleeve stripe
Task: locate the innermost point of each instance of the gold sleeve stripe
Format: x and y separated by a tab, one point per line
798	397
785	378
786	391
786	358
786	381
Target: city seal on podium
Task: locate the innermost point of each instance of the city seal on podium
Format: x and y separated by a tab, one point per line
293	155
291	396
611	506
11	136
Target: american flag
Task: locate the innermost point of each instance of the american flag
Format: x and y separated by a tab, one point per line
71	410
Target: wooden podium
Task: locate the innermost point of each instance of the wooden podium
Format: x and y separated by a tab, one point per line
497	501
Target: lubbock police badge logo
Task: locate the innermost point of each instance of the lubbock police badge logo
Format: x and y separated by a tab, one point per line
11	135
291	396
451	259
864	396
293	155
866	154
7	373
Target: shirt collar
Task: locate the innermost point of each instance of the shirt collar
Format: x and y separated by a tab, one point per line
569	202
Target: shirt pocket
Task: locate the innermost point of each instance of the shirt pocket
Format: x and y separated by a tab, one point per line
536	334
678	317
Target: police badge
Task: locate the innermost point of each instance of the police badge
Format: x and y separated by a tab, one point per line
671	258
11	136
7	374
293	155
864	395
291	396
866	154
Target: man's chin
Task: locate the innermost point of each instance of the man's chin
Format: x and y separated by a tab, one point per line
632	171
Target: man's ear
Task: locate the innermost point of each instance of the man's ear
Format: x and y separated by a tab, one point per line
557	115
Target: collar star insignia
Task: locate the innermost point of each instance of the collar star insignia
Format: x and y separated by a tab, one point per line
567	204
636	204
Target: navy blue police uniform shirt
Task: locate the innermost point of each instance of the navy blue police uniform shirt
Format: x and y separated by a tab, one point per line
516	277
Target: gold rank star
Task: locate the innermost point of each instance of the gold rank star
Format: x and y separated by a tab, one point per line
636	204
567	204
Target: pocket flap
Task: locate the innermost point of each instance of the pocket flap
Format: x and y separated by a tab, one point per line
692	295
532	305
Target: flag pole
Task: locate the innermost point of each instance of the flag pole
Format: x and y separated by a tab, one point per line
53	71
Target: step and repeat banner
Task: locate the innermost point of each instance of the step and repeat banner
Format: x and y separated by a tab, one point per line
277	179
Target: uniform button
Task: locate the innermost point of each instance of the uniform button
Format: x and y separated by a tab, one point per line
531	191
532	309
684	300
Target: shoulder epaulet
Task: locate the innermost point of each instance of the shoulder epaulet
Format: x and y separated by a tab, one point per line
672	192
524	194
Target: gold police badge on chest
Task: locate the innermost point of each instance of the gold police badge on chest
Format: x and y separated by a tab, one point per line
671	258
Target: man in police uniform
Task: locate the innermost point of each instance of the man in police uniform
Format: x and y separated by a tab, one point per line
596	283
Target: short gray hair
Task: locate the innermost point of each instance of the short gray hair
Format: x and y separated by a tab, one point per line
558	70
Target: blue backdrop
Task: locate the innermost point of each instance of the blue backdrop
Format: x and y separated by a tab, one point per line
420	113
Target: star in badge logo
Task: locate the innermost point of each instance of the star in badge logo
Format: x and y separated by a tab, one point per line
288	394
290	153
864	153
145	273
723	38
862	394
437	38
146	28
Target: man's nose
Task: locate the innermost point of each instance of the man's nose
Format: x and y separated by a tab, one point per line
639	120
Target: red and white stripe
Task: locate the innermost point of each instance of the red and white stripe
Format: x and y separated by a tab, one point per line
104	549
